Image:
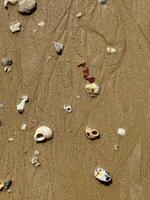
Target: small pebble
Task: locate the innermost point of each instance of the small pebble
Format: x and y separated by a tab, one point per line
1	105
111	50
7	69
15	27
7	61
26	7
24	127
102	1
7	184
59	47
12	2
35	161
121	131
116	146
36	152
80	14
10	139
41	24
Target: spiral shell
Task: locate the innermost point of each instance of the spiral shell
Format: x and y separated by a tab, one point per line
43	133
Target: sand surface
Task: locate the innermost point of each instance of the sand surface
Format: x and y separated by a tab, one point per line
68	160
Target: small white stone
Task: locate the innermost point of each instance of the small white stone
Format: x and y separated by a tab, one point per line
111	50
59	47
41	24
15	27
21	105
24	127
121	131
10	139
80	14
102	1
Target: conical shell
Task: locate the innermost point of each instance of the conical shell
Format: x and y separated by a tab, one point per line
43	133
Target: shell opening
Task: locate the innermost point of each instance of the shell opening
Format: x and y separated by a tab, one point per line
39	137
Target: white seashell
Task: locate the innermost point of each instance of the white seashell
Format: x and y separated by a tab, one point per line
21	106
43	133
80	14
102	175
15	27
12	2
111	50
92	133
59	47
92	88
24	126
67	108
121	131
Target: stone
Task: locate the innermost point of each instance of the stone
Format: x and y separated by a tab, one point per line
7	61
24	127
35	160
59	47
21	105
15	27
41	24
102	1
27	7
111	50
121	131
103	176
92	88
10	139
80	14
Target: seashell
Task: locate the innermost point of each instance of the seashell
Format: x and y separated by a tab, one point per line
59	47
7	184
92	88
111	50
7	61
103	176
121	131
1	184
21	106
12	2
67	108
15	27
26	7
80	14
92	133
43	133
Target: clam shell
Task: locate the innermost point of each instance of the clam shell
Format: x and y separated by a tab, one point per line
43	133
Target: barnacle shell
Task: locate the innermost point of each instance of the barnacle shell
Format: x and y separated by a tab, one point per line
43	133
92	133
92	88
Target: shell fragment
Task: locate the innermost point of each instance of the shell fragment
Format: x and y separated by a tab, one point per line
102	175
21	105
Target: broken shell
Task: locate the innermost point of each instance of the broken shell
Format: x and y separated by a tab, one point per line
12	2
1	184
35	161
7	184
15	27
102	175
6	61
59	47
121	131
67	108
111	50
79	14
92	88
21	106
43	133
92	133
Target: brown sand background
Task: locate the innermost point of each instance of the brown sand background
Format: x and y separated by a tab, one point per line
69	160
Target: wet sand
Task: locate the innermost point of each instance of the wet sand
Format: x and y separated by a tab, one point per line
68	160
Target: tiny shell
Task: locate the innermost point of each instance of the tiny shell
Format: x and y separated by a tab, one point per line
92	133
15	27
59	47
43	133
41	24
24	126
67	108
1	184
35	161
103	176
102	1
21	106
121	131
80	14
92	88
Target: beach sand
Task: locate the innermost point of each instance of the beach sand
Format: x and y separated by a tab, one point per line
68	160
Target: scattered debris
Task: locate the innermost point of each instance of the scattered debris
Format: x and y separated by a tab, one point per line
10	139
102	1
1	185
35	160
59	47
7	61
92	89
7	69
41	24
80	14
15	27
92	133
7	184
42	134
111	50
26	7
116	146
24	127
21	106
121	131
86	74
12	2
67	108
103	176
